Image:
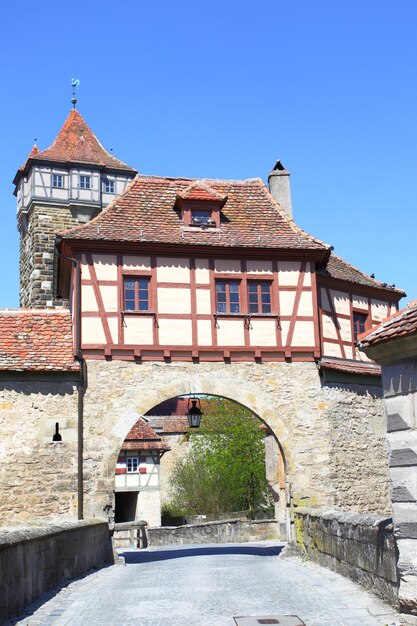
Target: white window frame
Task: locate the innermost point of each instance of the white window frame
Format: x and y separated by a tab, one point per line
130	464
109	186
57	178
85	181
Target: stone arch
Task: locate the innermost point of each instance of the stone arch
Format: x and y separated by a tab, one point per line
255	402
171	381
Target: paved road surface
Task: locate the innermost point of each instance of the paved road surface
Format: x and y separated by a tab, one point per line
207	586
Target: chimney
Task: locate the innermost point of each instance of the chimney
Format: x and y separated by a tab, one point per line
279	186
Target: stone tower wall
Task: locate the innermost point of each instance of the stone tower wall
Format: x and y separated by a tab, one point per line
38	269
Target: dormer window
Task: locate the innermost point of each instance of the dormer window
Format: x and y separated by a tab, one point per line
200	206
199	217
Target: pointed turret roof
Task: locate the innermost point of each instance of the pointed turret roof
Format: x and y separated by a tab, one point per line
75	143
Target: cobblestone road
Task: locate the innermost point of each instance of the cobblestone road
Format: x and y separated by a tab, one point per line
207	586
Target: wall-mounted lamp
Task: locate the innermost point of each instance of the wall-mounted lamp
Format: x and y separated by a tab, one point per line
194	413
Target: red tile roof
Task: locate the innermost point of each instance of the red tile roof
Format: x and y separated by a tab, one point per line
143	437
145	213
402	323
36	340
200	191
340	269
76	143
169	424
350	367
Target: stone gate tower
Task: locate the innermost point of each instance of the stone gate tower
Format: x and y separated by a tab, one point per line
67	184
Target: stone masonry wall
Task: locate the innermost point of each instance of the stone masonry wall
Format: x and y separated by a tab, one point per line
361	547
358	450
33	560
400	389
314	425
38	477
225	531
37	264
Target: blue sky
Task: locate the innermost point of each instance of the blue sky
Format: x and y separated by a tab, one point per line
223	89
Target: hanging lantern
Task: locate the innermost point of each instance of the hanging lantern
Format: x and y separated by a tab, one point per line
194	413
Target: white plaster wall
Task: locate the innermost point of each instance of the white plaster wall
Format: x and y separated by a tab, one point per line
149	507
341	301
88	298
259	267
288	272
204	332
229	266
173	270
328	326
202	272
305	306
286	302
175	332
133	262
138	330
203	301
109	295
230	333
332	349
263	333
85	270
92	330
175	300
303	334
359	302
113	323
380	310
105	266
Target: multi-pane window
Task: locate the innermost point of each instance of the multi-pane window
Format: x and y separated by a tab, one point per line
136	294
132	463
85	182
359	324
259	294
227	295
58	181
108	186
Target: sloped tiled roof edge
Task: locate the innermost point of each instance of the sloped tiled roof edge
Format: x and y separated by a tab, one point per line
74	143
145	212
36	340
339	269
400	324
363	368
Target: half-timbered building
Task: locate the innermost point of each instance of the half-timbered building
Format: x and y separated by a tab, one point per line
178	286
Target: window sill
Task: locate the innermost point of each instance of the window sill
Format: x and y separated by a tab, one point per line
139	313
247	317
273	315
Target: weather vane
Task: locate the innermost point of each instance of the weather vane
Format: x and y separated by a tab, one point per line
75	83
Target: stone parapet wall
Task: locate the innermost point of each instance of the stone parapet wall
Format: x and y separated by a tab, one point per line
361	547
33	560
224	531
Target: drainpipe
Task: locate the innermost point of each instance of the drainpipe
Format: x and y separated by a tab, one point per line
82	385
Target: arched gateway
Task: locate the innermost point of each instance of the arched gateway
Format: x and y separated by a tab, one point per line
178	286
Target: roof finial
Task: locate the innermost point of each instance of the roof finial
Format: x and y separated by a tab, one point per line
75	83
